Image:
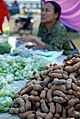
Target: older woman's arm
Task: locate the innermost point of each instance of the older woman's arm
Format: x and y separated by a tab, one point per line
33	39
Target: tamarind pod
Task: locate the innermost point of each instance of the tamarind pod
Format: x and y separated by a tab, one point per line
46	81
52	107
48	66
30	116
20	101
37	104
70	92
42	75
27	90
69	69
16	95
72	102
78	83
58	71
44	107
68	83
46	89
49	85
58	87
57	67
71	112
25	97
77	114
69	96
64	76
64	113
58	108
69	57
78	71
40	114
28	84
11	110
33	81
60	94
72	96
76	66
14	110
19	92
36	74
77	94
34	99
49	95
74	61
75	87
15	105
49	70
55	75
27	102
33	92
77	107
37	87
22	109
43	94
76	55
49	116
57	116
28	105
25	114
57	81
72	76
59	99
38	82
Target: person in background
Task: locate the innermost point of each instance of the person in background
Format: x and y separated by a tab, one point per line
52	32
15	3
3	12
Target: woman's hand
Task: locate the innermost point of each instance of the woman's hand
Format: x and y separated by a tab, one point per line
33	39
29	38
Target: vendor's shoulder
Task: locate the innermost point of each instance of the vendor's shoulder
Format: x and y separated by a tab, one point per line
60	25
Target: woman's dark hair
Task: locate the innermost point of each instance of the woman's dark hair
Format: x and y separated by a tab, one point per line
57	8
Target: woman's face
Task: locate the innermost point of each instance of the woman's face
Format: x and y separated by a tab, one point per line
47	13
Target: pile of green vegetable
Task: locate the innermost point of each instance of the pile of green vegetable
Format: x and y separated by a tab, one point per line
18	68
5	47
6	95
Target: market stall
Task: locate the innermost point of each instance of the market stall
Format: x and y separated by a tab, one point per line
29	76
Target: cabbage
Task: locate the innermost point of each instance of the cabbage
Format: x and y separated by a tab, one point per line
2	82
9	78
5	47
5	103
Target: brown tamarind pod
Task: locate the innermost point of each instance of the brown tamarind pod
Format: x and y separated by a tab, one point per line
52	107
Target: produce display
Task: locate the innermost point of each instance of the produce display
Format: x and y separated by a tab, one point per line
51	94
17	68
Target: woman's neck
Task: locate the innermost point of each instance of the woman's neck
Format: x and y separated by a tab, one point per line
49	25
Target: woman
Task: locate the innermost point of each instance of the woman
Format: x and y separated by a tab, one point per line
52	32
